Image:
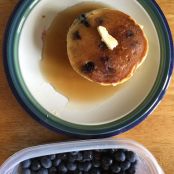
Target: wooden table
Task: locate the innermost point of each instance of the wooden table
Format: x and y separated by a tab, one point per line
18	130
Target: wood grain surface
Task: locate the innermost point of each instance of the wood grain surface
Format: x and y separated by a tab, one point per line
18	130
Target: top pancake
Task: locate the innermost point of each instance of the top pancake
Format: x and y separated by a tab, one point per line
91	58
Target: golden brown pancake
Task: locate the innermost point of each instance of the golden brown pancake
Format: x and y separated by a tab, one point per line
91	58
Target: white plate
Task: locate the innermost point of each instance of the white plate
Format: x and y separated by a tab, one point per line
125	99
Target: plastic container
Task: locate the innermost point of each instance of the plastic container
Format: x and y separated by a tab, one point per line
147	164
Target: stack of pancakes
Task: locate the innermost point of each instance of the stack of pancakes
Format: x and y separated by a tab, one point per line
90	56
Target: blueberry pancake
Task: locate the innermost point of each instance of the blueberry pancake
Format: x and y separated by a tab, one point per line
106	46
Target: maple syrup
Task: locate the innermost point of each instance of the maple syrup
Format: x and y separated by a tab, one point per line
55	63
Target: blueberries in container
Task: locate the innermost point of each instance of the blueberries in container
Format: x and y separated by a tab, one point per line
105	161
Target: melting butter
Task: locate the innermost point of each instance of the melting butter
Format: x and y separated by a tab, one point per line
109	40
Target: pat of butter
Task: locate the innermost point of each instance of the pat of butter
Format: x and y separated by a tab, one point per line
141	26
110	41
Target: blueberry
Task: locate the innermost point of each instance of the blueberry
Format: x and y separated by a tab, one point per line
76	35
96	163
112	151
97	156
83	19
26	164
52	170
62	168
134	164
102	46
62	156
125	165
72	157
104	167
129	33
86	23
131	170
122	172
52	157
130	156
77	172
87	155
88	68
107	161
35	165
42	171
56	162
74	152
120	156
32	172
79	156
26	171
95	171
85	166
115	168
80	166
46	162
71	166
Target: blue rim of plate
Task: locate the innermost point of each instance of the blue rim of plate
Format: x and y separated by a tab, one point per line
24	97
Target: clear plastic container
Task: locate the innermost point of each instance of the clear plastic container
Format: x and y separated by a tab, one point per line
147	164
